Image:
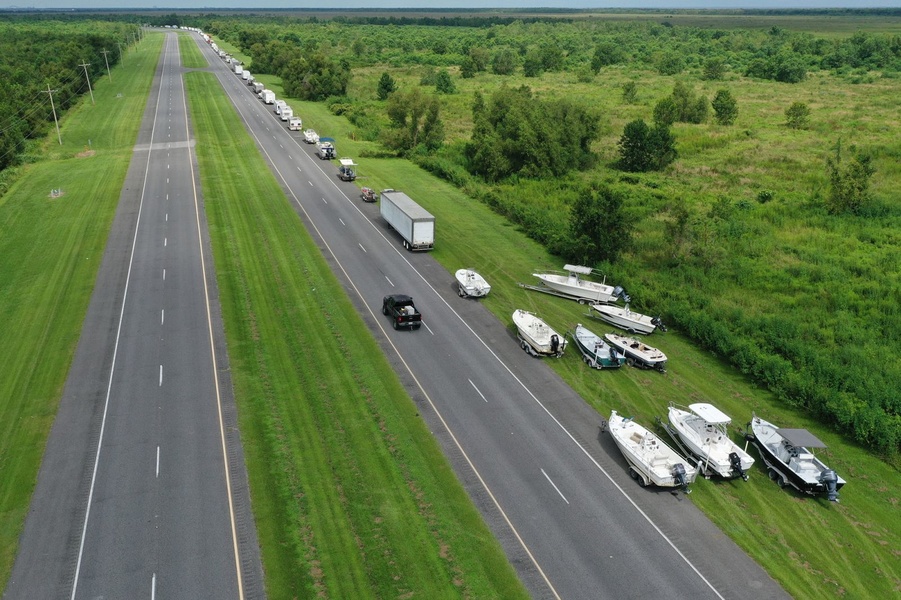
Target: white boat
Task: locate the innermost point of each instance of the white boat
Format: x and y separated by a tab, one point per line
595	351
536	337
470	284
310	136
638	354
651	462
702	430
789	460
571	285
625	318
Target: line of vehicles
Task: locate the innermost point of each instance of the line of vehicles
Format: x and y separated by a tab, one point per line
699	431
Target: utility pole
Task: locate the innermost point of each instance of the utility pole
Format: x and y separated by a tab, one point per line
103	52
53	108
120	51
88	77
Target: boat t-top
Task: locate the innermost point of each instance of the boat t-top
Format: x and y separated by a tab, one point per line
571	285
701	430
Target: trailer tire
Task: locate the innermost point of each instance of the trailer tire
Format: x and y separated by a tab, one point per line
630	361
771	472
780	481
633	473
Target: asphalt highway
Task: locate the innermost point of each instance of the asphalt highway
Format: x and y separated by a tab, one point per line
553	487
142	492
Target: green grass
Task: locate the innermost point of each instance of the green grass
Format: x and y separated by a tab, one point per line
813	548
352	496
191	57
50	251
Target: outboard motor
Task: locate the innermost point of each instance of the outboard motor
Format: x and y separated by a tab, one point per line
679	477
555	344
656	322
830	480
619	292
735	463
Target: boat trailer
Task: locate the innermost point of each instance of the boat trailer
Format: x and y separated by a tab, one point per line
546	290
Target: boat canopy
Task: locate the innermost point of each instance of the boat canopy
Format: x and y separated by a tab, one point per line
578	269
710	413
347	162
801	437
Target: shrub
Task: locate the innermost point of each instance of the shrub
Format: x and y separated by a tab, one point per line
797	115
725	108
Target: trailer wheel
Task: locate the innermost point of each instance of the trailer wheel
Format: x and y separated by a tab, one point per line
630	361
633	473
780	481
642	481
582	300
771	472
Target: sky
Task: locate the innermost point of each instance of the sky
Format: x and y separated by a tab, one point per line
431	4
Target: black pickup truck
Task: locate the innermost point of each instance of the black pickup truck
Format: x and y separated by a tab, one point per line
402	311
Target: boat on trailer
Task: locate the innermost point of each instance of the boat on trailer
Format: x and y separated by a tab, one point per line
651	462
638	354
596	353
626	318
470	284
570	284
789	460
701	429
536	337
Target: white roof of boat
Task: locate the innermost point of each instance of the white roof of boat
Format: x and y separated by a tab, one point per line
710	413
801	437
347	162
578	269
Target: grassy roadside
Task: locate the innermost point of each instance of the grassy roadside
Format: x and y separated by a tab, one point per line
351	493
812	547
50	251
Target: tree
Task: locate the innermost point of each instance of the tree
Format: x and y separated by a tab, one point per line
849	185
386	86
725	108
504	62
467	68
670	64
599	229
444	84
714	68
644	148
415	122
666	112
797	115
315	78
630	92
480	58
605	54
532	65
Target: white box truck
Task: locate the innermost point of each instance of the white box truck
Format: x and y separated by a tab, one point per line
268	96
286	113
258	87
279	105
414	223
295	124
245	74
238	68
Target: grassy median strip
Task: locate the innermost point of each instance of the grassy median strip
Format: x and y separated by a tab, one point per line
191	57
50	251
351	493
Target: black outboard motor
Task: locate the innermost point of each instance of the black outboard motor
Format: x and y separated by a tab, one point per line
619	292
830	480
679	477
735	463
656	322
555	344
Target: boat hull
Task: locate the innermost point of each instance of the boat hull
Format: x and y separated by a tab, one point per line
571	285
792	465
536	337
595	352
470	284
710	444
652	462
624	318
638	353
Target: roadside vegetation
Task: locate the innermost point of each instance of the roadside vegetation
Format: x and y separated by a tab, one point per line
50	250
352	495
770	193
739	232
